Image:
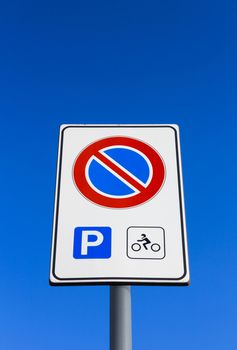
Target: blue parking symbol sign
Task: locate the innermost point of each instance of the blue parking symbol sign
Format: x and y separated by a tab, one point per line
92	242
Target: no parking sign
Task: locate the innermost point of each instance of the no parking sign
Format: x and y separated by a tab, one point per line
119	172
119	213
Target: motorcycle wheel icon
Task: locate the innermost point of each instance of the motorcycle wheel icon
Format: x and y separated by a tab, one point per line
155	247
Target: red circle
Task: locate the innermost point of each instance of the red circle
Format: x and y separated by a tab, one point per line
147	193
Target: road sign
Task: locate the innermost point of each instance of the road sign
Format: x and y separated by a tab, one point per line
119	212
119	172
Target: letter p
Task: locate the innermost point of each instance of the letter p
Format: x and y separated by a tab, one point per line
92	243
86	242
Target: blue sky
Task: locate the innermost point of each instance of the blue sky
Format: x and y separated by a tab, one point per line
118	62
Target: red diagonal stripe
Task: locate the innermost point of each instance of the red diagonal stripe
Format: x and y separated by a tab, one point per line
119	171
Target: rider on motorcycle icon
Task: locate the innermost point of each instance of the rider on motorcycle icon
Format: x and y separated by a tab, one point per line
155	247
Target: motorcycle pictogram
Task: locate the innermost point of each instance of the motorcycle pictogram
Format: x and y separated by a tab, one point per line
155	247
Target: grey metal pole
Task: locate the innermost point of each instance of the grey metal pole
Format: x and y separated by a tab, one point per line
120	318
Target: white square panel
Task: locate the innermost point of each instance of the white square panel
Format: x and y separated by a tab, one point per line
146	242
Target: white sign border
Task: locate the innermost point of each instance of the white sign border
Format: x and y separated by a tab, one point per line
184	280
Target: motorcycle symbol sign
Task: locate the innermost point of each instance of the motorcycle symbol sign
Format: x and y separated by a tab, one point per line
145	242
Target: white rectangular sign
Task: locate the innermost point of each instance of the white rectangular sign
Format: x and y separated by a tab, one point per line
119	211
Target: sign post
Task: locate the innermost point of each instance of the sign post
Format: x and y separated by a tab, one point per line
119	213
120	318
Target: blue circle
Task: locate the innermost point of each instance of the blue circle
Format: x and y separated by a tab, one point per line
108	183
